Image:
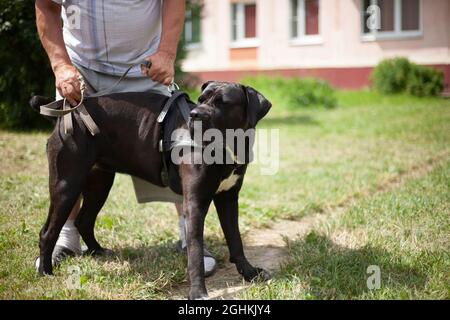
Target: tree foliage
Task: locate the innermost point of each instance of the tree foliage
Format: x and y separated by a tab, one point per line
24	66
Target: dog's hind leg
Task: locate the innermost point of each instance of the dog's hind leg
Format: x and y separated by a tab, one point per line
95	193
227	208
65	188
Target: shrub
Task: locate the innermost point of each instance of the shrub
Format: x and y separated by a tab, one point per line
391	75
24	68
424	81
294	92
400	75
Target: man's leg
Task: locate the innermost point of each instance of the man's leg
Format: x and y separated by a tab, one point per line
68	243
209	260
69	238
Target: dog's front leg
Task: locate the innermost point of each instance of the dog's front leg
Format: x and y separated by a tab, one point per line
228	210
199	185
195	211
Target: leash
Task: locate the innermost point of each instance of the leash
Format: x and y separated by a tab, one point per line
66	111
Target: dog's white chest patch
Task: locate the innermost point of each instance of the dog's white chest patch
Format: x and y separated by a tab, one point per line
228	183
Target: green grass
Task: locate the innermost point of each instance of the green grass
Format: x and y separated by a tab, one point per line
405	233
329	155
326	156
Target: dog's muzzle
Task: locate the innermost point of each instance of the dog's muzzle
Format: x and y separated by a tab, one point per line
199	114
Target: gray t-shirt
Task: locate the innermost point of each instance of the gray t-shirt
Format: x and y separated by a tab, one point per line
110	35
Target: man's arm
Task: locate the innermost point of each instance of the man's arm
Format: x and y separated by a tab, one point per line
48	22
162	69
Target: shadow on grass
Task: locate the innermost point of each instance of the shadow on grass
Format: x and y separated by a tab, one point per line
325	269
160	266
332	271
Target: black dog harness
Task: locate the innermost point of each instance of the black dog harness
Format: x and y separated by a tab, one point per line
177	97
167	121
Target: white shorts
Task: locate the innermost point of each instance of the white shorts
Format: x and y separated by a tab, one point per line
96	81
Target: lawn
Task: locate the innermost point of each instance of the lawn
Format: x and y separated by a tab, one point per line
404	233
326	158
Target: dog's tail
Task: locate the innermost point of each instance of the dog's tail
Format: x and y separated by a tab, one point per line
37	101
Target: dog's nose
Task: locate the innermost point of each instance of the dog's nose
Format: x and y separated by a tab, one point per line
197	114
194	114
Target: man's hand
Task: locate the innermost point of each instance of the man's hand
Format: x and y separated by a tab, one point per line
67	83
162	67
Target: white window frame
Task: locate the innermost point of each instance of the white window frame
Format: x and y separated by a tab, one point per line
188	30
241	41
398	33
302	38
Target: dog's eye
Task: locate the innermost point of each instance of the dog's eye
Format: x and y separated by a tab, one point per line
204	96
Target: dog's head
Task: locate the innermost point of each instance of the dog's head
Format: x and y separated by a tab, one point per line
225	105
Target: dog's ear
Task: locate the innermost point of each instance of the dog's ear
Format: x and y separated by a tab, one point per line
207	83
257	106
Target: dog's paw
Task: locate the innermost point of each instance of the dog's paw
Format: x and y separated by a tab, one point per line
197	294
256	275
43	273
40	269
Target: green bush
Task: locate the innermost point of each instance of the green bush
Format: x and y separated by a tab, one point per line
400	75
294	92
391	75
424	81
24	67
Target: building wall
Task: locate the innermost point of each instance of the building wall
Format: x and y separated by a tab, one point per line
342	57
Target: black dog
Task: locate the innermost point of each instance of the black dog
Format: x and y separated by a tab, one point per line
128	143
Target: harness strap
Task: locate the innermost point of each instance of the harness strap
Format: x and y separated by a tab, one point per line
185	110
169	103
178	98
165	170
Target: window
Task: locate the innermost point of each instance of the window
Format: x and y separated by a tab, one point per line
243	16
192	23
305	20
390	19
